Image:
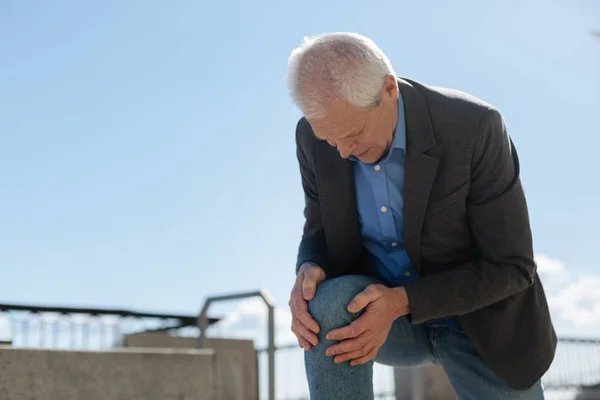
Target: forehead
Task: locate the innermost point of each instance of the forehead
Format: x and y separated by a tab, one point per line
340	121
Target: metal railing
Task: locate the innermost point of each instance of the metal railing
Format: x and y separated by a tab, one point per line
576	364
203	323
83	328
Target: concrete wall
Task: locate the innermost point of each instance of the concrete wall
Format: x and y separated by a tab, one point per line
236	360
117	375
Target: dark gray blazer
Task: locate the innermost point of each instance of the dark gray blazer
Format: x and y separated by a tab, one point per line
466	227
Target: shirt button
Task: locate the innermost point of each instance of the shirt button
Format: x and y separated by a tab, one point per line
377	168
383	209
394	244
407	273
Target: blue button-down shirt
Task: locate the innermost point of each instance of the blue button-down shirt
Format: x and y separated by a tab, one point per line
380	201
379	194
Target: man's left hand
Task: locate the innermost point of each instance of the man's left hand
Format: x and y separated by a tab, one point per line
362	339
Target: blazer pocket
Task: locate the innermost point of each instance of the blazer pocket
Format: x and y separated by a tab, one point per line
439	205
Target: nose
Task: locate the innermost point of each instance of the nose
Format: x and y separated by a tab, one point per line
346	149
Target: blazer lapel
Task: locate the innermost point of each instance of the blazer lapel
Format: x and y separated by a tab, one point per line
420	169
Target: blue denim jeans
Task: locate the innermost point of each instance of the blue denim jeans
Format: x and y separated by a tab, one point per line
406	345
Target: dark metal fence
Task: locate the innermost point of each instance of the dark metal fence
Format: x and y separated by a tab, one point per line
82	328
576	364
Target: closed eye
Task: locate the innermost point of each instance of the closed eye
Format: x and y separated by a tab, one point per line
357	133
352	135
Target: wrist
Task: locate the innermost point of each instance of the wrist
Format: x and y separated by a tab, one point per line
311	266
306	265
401	306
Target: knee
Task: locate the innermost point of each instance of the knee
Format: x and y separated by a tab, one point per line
329	307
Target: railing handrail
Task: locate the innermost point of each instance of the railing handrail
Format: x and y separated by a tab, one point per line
186	320
567	339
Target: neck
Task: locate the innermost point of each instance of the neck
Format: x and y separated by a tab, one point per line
394	124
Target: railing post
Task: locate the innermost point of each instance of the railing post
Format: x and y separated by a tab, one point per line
203	325
271	341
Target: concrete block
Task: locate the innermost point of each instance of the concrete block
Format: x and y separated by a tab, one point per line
236	361
117	375
237	368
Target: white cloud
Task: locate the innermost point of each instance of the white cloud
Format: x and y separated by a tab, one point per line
549	267
579	302
574	299
249	320
552	272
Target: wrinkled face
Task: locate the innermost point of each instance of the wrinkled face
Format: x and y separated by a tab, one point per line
364	134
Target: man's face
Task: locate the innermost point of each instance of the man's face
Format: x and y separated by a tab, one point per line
364	134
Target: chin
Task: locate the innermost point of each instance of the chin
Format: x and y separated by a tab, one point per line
370	157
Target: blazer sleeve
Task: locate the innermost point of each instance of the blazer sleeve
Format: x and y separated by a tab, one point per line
312	246
498	217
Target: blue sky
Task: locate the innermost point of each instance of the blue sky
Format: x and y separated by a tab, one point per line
147	151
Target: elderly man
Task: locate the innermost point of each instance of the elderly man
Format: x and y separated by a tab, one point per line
416	247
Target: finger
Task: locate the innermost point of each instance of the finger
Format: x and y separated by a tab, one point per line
297	289
362	360
300	330
307	320
349	345
353	355
299	309
361	300
303	343
309	284
348	332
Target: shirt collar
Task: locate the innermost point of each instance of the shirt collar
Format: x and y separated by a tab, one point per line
399	140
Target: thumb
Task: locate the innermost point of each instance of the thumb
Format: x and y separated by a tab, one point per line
363	299
309	286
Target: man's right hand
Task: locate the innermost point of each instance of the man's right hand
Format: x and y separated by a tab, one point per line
303	325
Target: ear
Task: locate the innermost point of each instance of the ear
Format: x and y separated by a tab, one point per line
390	87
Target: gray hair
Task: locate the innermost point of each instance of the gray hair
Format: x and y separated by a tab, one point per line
331	65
